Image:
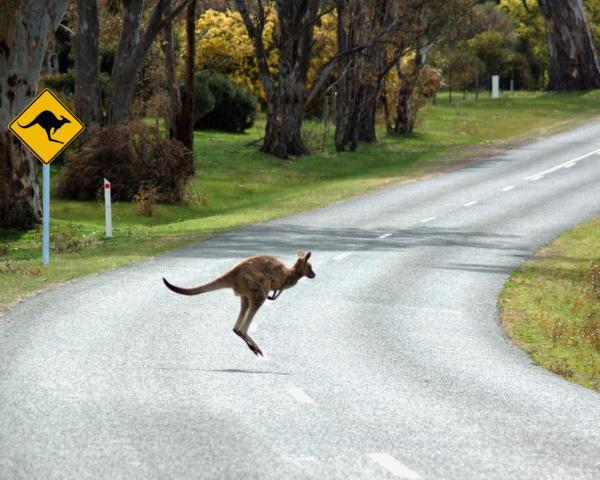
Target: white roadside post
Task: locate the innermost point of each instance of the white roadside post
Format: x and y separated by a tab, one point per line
495	86
107	209
46	215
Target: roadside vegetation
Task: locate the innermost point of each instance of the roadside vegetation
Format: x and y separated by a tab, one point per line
551	306
237	185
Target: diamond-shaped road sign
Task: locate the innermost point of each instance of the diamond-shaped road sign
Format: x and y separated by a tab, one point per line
46	126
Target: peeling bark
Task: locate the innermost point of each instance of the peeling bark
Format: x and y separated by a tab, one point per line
573	61
25	27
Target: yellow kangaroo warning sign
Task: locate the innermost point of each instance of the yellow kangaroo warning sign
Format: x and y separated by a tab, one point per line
46	126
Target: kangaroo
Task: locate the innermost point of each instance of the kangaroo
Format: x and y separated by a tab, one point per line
48	121
252	279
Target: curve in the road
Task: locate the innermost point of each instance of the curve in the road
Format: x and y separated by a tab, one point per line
391	363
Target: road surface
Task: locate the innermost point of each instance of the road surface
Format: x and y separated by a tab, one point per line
391	363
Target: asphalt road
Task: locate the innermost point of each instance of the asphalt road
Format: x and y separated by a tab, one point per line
391	363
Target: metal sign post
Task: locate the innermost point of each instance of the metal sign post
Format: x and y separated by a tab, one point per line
46	216
107	209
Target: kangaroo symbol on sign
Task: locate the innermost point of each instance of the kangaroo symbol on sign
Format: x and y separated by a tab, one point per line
49	122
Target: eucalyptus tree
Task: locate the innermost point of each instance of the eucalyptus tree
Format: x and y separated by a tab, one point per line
25	27
573	61
286	88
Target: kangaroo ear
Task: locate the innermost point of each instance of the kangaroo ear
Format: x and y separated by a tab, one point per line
301	254
307	256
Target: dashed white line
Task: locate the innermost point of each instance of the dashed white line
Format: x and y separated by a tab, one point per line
341	256
508	189
470	204
385	235
570	164
300	395
428	219
394	466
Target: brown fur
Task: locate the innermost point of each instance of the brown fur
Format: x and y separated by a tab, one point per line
252	279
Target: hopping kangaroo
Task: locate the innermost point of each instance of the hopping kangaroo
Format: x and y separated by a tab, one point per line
252	279
48	121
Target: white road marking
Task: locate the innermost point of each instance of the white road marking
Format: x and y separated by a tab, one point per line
300	395
341	256
428	219
508	189
535	179
470	204
571	163
385	235
394	466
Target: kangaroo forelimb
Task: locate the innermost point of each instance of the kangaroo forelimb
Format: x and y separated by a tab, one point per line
275	295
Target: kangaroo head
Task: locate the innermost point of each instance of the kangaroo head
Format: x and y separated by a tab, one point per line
303	266
64	120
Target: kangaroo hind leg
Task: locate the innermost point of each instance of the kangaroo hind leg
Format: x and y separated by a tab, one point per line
238	329
255	303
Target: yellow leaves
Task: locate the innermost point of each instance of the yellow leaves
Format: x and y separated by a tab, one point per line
223	46
325	46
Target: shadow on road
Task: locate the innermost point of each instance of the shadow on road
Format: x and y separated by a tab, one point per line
274	239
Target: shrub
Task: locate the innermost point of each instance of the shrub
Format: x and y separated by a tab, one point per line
204	100
133	157
234	107
62	83
145	200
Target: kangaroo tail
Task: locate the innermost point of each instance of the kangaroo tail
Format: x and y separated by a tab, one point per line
28	125
207	287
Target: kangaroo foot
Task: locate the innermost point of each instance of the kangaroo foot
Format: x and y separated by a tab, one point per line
252	346
255	349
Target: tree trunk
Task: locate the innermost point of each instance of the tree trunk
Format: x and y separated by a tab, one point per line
24	30
87	66
405	122
131	50
353	91
185	128
125	64
405	114
285	101
171	79
368	117
573	62
283	132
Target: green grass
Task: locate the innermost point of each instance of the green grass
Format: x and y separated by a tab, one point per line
551	306
236	185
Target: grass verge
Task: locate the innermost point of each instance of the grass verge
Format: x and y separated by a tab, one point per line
551	306
237	185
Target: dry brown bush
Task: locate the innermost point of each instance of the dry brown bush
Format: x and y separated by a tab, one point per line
145	200
131	156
